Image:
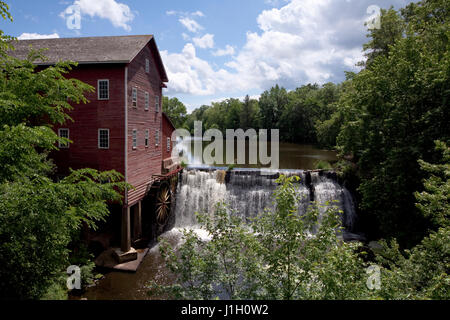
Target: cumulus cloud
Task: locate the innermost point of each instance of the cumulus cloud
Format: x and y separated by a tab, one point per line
303	41
229	50
190	74
117	13
205	42
32	36
190	24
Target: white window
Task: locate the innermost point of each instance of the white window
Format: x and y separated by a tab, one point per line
135	97
168	144
63	133
103	89
103	138
134	139
157	103
157	137
147	100
147	138
147	65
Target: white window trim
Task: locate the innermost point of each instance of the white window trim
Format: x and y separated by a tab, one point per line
134	141
157	138
147	138
157	103
135	89
99	130
63	146
98	89
147	101
169	144
147	66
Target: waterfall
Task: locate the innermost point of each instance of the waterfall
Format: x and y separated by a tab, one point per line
248	192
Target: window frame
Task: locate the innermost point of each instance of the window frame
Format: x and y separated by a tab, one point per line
157	138
99	138
134	102
157	103
147	138
169	144
134	139
60	145
98	89
147	65
147	101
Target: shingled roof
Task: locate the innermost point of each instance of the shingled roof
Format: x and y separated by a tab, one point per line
89	50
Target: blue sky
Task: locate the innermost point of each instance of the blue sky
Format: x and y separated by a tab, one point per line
215	49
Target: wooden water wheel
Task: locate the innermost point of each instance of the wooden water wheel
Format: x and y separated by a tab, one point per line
163	202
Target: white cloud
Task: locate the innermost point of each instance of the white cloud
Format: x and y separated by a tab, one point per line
117	13
198	14
205	42
304	41
190	74
229	50
32	36
190	24
185	36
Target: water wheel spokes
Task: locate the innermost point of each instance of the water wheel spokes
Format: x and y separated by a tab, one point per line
163	206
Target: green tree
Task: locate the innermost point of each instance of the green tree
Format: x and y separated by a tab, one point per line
39	216
393	114
249	114
434	201
273	257
391	29
272	104
175	110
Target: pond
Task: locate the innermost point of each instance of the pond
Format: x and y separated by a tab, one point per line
291	156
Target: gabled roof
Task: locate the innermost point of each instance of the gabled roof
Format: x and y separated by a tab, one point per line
89	50
165	116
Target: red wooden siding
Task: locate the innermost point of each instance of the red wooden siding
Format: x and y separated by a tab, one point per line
143	162
88	118
168	129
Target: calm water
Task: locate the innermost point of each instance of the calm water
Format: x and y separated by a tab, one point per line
131	286
291	156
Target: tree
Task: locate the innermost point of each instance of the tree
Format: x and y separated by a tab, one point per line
249	114
434	201
393	114
272	104
391	29
272	257
38	215
175	110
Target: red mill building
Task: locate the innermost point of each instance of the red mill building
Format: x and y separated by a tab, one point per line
122	126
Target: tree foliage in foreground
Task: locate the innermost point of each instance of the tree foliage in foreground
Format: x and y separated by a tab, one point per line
39	216
273	257
277	256
394	111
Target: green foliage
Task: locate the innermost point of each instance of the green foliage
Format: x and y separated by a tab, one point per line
273	257
381	39
323	165
38	216
434	202
393	112
420	273
175	110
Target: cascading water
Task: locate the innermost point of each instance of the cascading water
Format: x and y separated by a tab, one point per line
248	192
